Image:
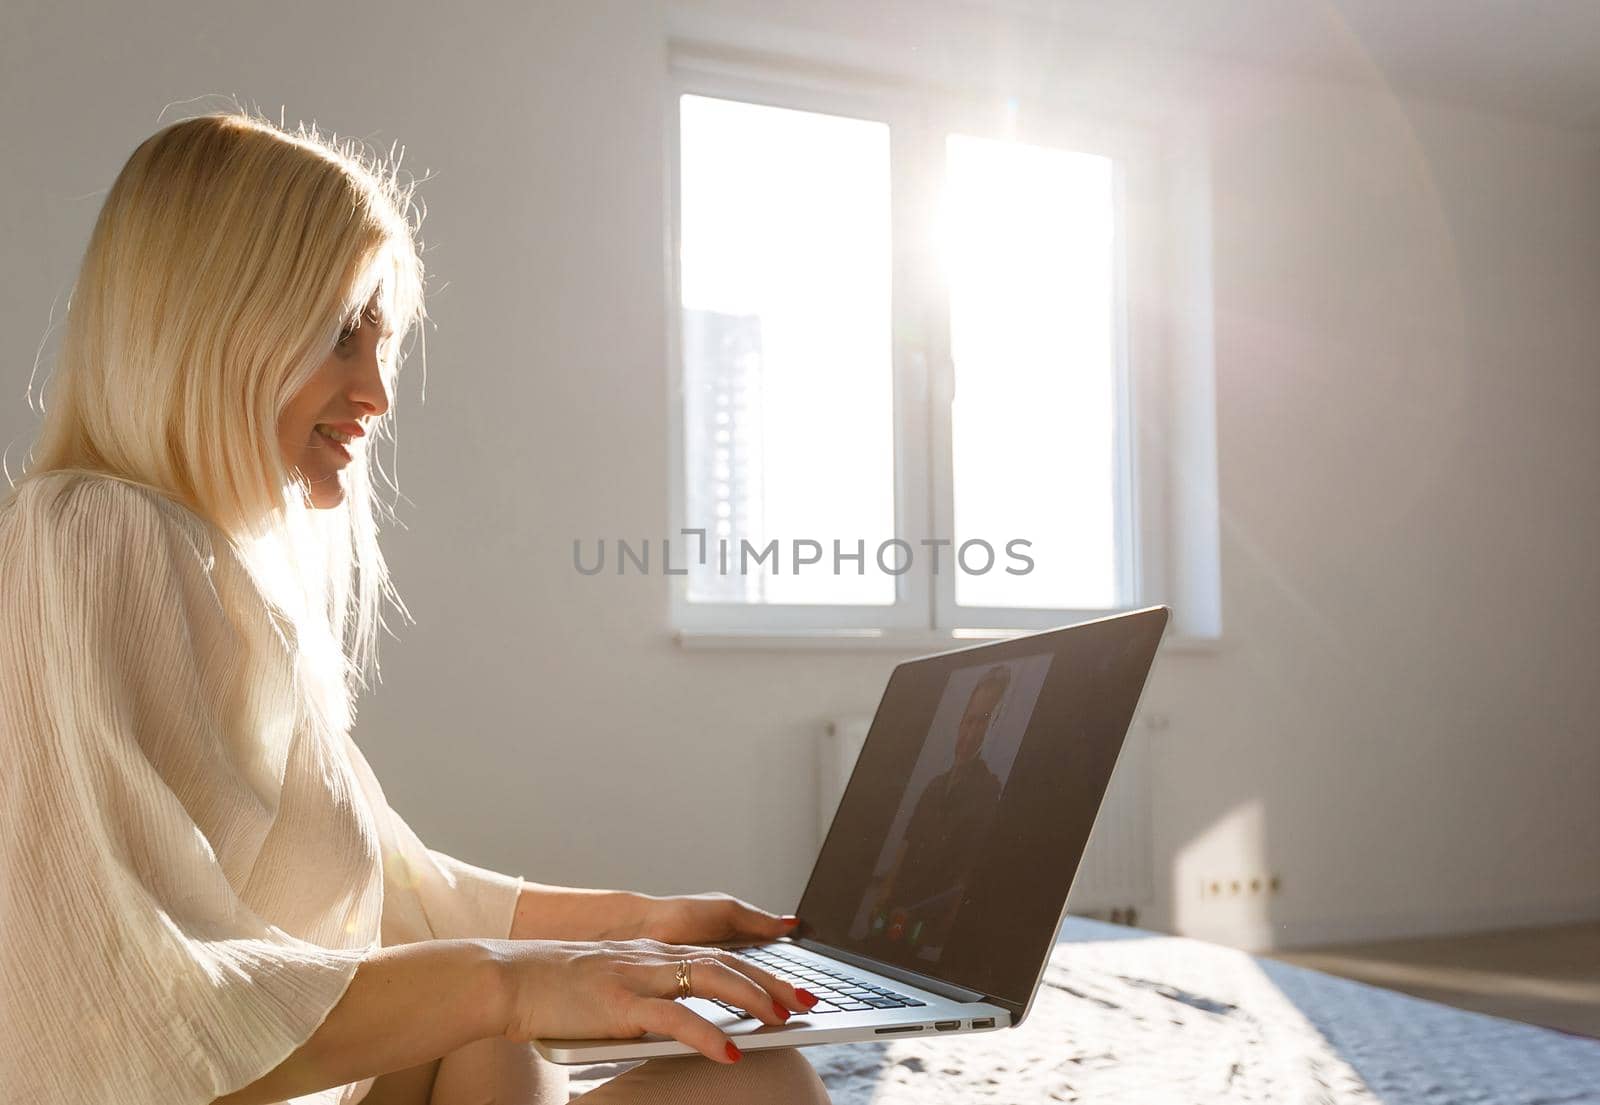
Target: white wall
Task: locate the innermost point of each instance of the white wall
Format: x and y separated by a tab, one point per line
1401	721
1410	477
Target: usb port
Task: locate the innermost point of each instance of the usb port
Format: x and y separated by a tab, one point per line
983	1022
947	1026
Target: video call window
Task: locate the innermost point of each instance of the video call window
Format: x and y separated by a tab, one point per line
948	807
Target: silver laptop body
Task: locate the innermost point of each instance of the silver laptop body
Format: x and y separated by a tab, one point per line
934	902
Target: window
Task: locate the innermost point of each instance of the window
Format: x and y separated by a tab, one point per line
1037	426
905	398
787	362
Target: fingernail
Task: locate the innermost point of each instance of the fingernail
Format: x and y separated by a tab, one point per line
806	997
782	1013
789	922
733	1053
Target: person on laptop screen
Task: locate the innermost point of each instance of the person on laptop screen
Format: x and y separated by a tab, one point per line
923	890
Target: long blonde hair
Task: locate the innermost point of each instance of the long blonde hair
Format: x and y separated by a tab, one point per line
227	258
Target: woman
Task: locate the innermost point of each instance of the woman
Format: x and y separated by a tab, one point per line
204	895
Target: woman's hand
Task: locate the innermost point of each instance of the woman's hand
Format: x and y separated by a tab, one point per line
623	989
709	919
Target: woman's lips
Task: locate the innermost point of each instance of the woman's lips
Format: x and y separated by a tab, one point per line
344	454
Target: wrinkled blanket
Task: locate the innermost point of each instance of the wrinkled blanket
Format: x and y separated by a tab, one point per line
1123	1016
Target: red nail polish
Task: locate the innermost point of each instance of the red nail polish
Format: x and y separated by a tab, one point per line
733	1052
780	1011
807	998
790	922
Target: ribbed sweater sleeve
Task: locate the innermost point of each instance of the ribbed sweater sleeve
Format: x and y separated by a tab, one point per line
189	871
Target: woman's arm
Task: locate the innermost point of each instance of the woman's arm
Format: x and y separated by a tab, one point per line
406	1004
573	913
411	1003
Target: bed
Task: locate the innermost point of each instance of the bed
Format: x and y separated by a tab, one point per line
1128	1016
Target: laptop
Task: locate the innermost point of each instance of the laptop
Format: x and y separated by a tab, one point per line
935	899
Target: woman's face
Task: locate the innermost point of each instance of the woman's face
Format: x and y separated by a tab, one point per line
339	401
975	719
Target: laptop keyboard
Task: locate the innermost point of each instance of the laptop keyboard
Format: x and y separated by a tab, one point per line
836	990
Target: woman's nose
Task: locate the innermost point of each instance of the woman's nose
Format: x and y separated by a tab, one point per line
370	389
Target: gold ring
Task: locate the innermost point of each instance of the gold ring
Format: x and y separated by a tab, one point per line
685	988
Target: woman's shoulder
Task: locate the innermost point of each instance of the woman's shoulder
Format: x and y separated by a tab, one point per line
90	520
61	483
89	497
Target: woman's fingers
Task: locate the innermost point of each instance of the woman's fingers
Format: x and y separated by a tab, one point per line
746	920
783	992
710	977
669	1018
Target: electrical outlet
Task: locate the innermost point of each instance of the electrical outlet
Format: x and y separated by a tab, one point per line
1237	887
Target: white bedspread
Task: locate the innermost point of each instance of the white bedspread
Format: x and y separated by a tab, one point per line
1130	1017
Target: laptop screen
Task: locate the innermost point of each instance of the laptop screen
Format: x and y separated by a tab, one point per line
962	826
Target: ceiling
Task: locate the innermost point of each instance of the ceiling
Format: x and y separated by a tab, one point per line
1533	58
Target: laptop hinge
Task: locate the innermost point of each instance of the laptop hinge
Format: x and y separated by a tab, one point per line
900	974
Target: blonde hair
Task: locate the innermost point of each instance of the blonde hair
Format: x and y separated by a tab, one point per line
226	260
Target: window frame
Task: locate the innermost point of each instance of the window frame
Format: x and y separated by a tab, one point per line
918	117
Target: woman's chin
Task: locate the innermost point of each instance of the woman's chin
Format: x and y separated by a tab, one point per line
326	493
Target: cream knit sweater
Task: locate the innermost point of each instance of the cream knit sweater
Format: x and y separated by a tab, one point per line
191	864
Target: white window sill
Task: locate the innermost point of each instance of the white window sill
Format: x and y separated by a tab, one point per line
912	643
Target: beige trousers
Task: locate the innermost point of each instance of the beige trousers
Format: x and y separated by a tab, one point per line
499	1072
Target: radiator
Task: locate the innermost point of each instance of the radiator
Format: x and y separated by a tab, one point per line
1116	868
1115	872
836	759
